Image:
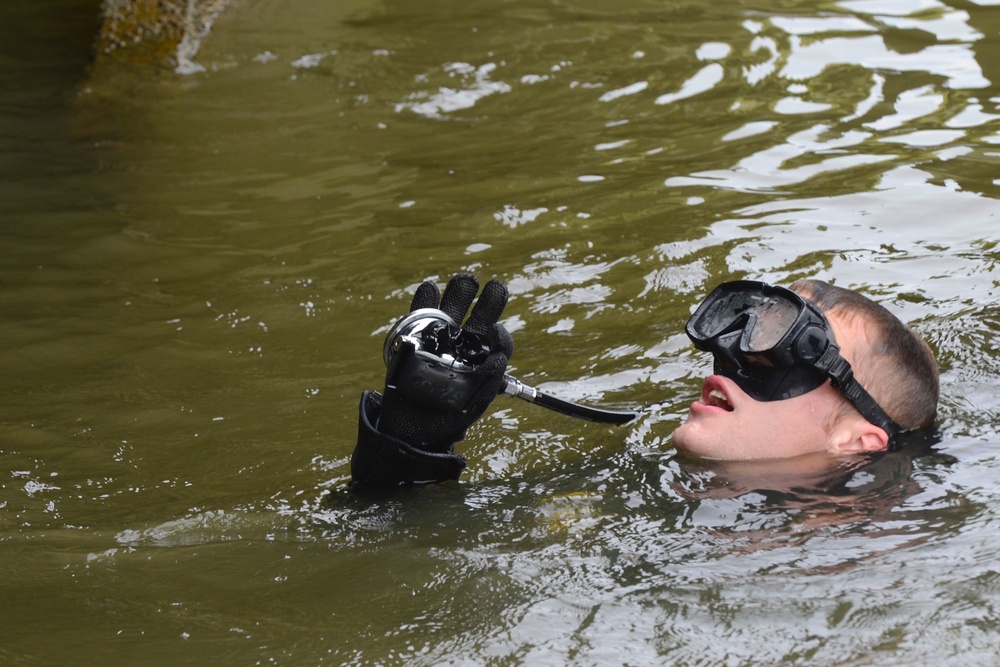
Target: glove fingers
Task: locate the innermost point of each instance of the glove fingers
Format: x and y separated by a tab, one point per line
427	296
458	296
488	308
502	341
493	371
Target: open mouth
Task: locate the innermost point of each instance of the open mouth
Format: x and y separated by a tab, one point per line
717	398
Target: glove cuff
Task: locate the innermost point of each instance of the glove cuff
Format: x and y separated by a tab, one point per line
382	460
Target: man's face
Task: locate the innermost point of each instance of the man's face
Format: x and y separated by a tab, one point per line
725	423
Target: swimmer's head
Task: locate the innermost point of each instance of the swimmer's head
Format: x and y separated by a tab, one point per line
783	388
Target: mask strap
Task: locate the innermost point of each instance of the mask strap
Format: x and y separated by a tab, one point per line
842	376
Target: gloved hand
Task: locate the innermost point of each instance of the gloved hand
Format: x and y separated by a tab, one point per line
408	434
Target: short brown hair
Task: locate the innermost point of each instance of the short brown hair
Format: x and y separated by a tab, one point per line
898	367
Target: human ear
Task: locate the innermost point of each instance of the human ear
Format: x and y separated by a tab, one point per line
862	437
874	440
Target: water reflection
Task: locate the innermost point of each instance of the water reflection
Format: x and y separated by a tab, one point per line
575	564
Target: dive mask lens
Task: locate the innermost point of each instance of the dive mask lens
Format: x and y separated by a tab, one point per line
773	317
762	314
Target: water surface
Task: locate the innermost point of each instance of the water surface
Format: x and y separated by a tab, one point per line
198	270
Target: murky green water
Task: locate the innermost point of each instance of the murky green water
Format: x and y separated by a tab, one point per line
197	273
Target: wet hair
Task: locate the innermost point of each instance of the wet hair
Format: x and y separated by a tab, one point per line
897	367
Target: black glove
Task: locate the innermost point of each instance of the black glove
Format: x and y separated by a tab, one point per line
408	434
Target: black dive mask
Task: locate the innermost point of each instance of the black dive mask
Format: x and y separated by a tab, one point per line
775	345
